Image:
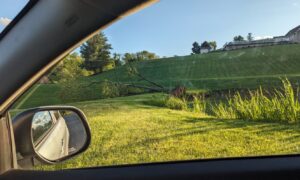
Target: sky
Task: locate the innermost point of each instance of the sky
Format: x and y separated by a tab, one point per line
170	27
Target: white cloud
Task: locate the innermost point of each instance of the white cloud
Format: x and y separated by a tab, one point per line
4	21
262	37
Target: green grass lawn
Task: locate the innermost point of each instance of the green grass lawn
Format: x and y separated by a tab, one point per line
126	131
40	95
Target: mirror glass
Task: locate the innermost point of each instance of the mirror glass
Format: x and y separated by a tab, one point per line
57	134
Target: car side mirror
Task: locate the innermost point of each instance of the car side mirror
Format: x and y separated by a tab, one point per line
50	134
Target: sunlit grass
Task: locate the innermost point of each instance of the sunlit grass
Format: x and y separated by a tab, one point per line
282	105
126	131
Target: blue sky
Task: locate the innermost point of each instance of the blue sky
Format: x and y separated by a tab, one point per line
170	27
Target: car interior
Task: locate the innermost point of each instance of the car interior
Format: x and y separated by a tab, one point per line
24	59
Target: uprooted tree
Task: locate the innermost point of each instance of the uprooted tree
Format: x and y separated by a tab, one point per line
132	71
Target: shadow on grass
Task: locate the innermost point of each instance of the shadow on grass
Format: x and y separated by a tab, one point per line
263	126
207	125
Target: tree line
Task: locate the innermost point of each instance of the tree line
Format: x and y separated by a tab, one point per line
212	45
240	38
96	53
196	49
95	57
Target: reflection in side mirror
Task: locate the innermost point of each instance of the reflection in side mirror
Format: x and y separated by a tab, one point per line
57	134
50	134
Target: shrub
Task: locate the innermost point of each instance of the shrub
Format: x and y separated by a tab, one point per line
159	101
69	69
170	102
134	90
109	90
176	103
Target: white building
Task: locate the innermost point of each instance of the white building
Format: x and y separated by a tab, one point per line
204	50
293	36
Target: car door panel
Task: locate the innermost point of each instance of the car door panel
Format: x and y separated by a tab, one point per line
253	168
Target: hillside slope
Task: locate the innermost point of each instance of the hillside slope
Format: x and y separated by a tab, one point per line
244	68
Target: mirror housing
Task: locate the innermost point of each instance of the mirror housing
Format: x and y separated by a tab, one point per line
26	149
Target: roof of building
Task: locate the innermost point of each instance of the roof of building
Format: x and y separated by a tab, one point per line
263	41
279	37
270	40
293	31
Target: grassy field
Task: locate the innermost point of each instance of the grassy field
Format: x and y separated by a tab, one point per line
40	95
129	130
126	131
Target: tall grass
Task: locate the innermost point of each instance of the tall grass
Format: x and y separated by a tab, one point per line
199	105
223	111
282	105
170	102
176	103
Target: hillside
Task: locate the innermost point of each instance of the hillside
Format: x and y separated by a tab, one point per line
246	68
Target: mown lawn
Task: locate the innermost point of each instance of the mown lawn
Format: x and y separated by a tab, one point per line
40	95
126	131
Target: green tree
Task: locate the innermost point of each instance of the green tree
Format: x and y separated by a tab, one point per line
69	68
196	48
146	55
213	44
205	44
96	54
117	59
250	37
129	57
238	38
139	56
